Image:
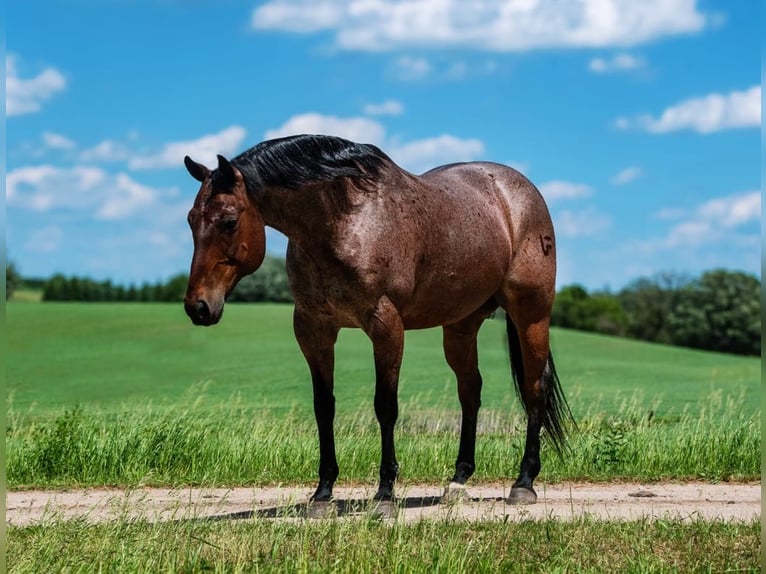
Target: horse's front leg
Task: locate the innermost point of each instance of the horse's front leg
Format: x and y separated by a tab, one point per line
386	332
317	342
462	356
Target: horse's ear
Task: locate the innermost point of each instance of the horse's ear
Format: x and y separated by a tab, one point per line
196	170
225	176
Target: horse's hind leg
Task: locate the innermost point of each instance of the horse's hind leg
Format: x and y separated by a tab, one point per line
461	353
528	334
317	342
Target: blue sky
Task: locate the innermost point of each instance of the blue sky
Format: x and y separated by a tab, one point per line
638	121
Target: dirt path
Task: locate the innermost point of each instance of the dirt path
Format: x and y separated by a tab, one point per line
627	501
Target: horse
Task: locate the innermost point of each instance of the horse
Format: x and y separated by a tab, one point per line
374	247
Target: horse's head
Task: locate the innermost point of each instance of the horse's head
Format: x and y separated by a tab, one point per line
229	239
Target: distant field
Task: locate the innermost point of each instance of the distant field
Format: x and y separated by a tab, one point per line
126	394
27	296
111	356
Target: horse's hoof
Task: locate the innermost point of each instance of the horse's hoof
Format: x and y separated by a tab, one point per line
454	492
321	509
521	495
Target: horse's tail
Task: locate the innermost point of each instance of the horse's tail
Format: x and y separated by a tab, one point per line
557	418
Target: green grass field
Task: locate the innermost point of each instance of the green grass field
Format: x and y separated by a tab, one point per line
133	394
114	357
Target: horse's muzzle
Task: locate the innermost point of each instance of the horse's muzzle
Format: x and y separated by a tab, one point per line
199	312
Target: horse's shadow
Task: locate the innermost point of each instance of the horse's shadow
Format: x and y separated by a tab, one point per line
341	508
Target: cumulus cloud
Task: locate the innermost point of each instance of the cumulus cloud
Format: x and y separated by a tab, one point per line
358	129
53	140
557	190
424	154
707	114
618	63
493	25
387	108
106	151
715	219
307	16
227	142
80	188
415	155
412	68
26	95
584	223
627	175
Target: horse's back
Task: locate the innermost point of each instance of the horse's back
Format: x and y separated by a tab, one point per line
530	229
522	202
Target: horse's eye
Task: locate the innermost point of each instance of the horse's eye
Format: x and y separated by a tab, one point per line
228	225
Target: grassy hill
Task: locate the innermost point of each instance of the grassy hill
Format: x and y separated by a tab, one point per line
116	356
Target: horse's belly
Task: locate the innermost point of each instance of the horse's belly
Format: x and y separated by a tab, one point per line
449	297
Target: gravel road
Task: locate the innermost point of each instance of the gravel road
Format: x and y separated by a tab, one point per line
623	501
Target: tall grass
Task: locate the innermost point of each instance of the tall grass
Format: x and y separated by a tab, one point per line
365	545
192	444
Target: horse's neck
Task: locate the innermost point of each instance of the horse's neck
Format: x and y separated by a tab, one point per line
304	214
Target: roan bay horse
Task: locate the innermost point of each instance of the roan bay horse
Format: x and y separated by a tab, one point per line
374	247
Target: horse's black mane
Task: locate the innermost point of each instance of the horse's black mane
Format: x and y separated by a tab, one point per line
297	160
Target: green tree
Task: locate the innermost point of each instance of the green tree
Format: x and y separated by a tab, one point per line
175	288
721	311
575	308
55	288
608	315
648	303
12	280
269	283
571	308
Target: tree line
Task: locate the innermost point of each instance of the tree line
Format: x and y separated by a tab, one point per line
268	284
718	311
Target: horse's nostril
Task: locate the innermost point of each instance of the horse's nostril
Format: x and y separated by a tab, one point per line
198	310
202	310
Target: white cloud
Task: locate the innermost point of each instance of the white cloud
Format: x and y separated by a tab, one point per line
557	189
308	16
617	63
26	95
494	25
79	188
203	150
107	150
412	68
716	219
706	114
583	223
416	155
362	130
53	140
128	197
387	108
627	175
734	210
424	154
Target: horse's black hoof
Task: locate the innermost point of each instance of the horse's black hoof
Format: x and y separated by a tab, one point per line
454	492
521	495
321	509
